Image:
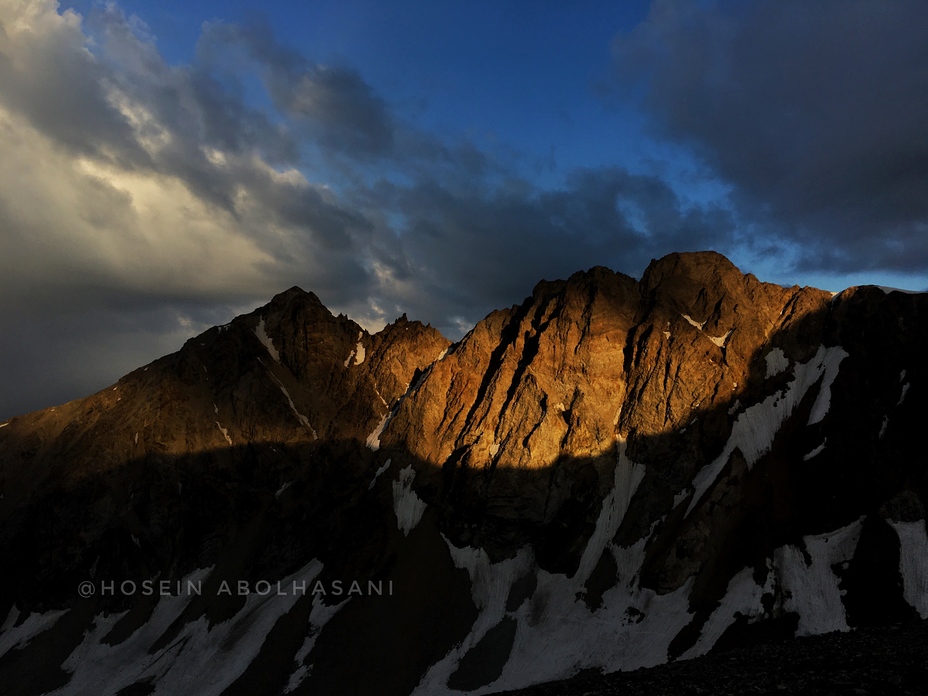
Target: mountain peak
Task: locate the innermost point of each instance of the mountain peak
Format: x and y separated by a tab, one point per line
296	296
295	290
705	267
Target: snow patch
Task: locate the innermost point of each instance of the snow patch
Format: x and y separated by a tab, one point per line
3	425
406	504
225	433
378	473
266	340
283	488
743	597
12	637
11	619
490	586
319	616
776	362
303	419
811	590
556	632
913	564
823	400
202	659
720	340
817	451
905	390
357	354
628	475
755	428
883	427
717	340
300	417
697	324
373	440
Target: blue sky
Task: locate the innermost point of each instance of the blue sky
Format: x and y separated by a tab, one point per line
456	68
534	87
168	165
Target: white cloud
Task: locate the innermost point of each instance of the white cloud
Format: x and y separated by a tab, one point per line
153	206
68	218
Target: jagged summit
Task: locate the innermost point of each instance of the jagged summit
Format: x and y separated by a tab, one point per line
612	474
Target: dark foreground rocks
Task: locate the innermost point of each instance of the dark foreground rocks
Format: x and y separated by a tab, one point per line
877	661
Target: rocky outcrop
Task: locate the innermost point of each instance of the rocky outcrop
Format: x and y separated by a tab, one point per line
612	474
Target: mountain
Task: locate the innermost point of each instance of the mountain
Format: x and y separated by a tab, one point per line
612	475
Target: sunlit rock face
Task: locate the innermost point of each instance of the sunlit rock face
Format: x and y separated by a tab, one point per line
613	474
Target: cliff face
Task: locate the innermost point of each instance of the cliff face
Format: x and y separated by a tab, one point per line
587	363
612	474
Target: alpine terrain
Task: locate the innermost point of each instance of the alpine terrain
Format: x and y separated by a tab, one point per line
613	474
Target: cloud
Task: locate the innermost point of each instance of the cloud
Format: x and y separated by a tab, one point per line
161	183
141	201
334	103
815	112
69	354
466	251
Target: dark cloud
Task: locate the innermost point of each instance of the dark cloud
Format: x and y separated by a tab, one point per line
473	251
337	106
74	353
815	112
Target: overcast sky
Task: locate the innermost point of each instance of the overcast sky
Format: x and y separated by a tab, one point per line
166	166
